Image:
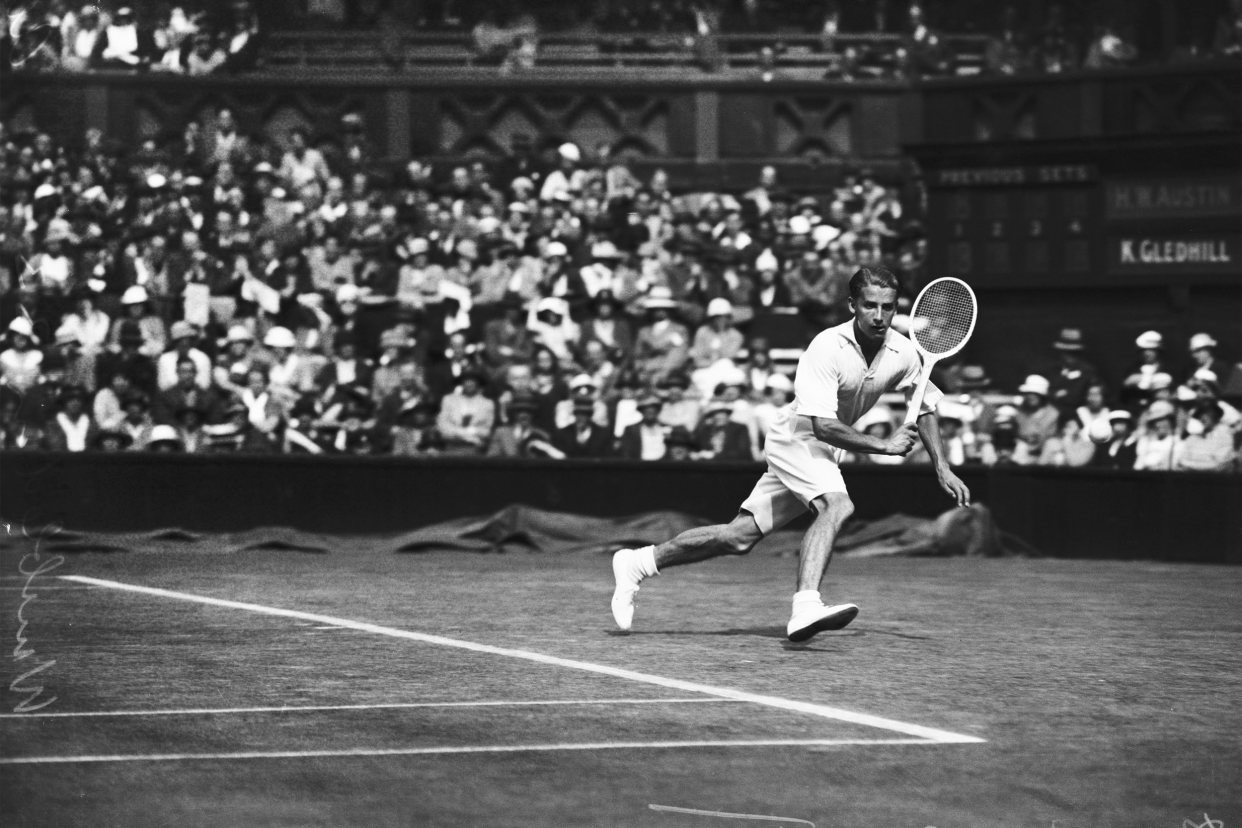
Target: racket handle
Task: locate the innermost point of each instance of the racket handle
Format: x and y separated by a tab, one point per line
920	391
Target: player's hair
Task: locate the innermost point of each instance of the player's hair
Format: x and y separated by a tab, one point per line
872	277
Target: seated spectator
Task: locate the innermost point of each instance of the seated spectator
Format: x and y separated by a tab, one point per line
1212	448
522	438
582	390
185	393
72	429
1036	417
1074	375
415	433
550	327
20	363
184	340
137	424
1005	444
150	327
264	412
584	437
608	327
718	437
466	416
1155	443
680	445
506	340
107	407
663	346
111	440
878	422
1070	447
717	346
1122	450
644	440
165	438
679	409
120	41
1203	355
138	368
189	420
1093	407
1136	389
950	416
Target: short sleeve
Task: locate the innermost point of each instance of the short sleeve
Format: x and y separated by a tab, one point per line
817	380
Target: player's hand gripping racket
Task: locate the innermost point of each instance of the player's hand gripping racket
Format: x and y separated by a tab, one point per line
941	322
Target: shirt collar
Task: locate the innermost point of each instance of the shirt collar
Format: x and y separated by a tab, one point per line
891	337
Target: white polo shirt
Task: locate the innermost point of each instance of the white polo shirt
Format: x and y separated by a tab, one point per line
834	379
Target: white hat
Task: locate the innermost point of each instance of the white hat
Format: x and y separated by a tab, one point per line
1160	380
877	415
720	307
659	297
279	337
519	207
347	293
554	305
1035	384
605	250
66	334
240	333
780	382
1186	394
164	434
799	225
44	190
134	295
824	234
950	410
767	261
1159	410
1206	375
156	180
21	325
417	246
522	182
1005	413
569	151
556	249
1150	339
1202	340
489	224
582	381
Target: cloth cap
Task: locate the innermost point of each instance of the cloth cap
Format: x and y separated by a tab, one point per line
393	338
183	330
659	297
649	401
1150	339
974	376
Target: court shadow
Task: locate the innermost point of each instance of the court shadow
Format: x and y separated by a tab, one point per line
761	632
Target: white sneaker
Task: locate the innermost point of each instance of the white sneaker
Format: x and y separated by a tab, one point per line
626	572
812	620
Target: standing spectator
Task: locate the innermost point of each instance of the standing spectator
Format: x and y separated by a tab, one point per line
1156	443
466	416
644	440
1075	375
1036	418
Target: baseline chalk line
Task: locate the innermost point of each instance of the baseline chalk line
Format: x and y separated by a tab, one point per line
823	711
435	751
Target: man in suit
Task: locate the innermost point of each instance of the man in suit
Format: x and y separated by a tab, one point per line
718	437
522	438
583	438
645	440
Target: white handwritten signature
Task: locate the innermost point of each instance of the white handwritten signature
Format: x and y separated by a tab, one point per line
22	652
1208	822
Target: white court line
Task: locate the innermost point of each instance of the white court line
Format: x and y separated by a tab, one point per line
432	751
197	711
931	733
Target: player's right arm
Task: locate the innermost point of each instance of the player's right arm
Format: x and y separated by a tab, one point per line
836	433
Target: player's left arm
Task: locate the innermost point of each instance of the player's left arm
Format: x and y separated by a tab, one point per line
929	431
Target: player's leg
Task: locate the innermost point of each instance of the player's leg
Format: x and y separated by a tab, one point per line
769	507
810	615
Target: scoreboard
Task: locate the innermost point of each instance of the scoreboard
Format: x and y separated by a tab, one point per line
1062	225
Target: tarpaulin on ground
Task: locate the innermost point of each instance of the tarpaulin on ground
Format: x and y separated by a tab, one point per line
956	532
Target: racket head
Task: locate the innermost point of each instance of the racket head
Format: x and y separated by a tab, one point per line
943	317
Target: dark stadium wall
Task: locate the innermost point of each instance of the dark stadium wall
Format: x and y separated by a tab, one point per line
1077	513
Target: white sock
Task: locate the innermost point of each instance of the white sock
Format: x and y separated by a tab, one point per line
805	599
646	561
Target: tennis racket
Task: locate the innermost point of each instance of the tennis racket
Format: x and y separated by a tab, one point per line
941	322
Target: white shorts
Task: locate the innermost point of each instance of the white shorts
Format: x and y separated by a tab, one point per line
800	469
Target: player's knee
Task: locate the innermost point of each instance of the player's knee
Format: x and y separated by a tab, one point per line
738	538
834	507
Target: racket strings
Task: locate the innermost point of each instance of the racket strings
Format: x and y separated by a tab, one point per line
943	317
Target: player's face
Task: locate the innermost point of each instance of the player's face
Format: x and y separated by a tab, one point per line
873	311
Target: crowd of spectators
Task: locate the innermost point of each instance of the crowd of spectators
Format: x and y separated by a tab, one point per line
157	37
232	293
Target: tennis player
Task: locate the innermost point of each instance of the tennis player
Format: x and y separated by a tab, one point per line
840	377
